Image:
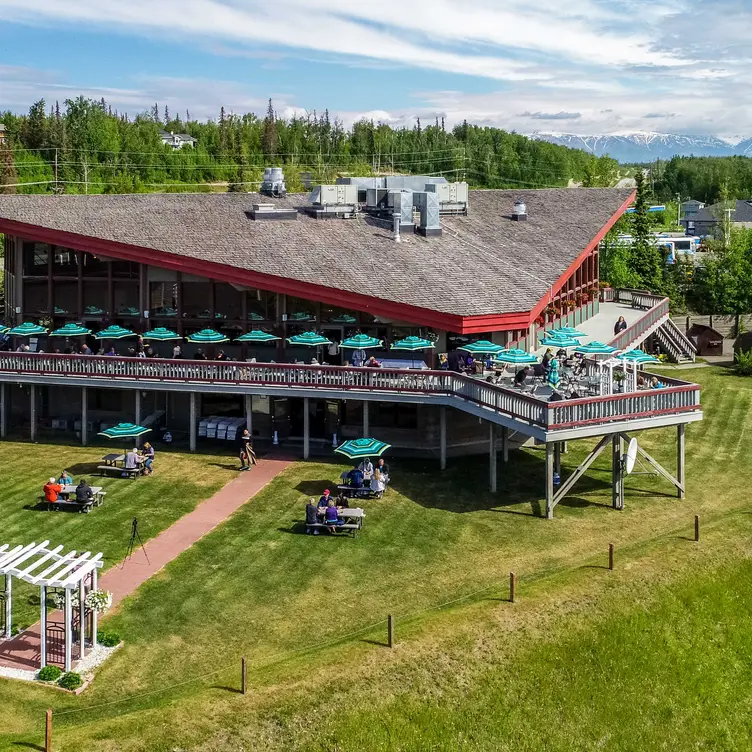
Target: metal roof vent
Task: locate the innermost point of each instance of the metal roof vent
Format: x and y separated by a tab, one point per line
428	205
273	182
519	213
271	211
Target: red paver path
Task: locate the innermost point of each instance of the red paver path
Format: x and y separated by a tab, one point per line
121	580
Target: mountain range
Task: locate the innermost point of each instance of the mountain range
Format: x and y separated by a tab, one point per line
647	147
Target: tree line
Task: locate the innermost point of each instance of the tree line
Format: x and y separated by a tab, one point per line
86	146
707	179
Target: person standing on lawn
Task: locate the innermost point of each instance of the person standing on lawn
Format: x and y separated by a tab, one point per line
246	453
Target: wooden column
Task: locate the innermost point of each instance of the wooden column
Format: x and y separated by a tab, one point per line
3	410
19	282
8	604
42	626
442	437
557	458
492	457
84	415
617	472
94	614
193	419
306	429
680	458
110	293
137	407
366	429
249	413
33	412
505	444
549	481
81	619
50	282
80	284
67	618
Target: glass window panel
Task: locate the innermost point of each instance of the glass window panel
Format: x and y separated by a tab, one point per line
124	269
93	266
35	296
301	310
163	299
196	299
228	302
125	295
64	262
65	297
35	256
95	298
262	305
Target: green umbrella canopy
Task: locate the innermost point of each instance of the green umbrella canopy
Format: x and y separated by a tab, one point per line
114	332
638	356
71	330
359	448
161	334
482	346
412	344
559	342
300	316
165	311
93	311
129	311
124	431
256	335
595	348
253	316
515	356
207	337
308	339
362	342
345	318
565	331
28	329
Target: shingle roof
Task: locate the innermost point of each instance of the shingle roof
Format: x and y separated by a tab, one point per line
742	212
482	264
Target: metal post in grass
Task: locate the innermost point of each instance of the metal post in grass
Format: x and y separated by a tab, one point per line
610	555
512	587
697	528
390	630
48	731
243	675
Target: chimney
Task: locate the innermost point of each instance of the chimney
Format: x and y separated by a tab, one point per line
397	238
519	213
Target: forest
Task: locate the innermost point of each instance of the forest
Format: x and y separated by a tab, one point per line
84	146
706	179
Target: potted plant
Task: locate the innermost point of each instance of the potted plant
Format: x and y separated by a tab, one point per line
619	377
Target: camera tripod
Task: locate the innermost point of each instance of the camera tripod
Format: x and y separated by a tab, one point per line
135	536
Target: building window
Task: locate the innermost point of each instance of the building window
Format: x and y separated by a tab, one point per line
35	259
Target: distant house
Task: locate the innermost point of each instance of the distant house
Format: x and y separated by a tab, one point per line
690	208
176	140
707	221
2	134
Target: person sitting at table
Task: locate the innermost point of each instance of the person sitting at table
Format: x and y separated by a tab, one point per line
372	362
443	362
199	355
366	467
547	358
111	351
358	358
383	468
133	460
83	492
655	384
324	501
356	477
556	396
65	480
455	361
148	458
469	366
311	516
522	375
52	490
342	502
641	383
331	516
378	484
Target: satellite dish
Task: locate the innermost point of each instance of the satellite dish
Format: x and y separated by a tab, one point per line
630	457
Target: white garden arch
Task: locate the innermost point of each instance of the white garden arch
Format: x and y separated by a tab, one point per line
46	567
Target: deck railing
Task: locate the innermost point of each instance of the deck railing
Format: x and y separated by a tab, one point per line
677	397
658	309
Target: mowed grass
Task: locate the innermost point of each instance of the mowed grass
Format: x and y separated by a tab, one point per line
257	587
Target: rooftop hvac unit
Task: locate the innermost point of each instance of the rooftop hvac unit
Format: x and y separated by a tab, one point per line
401	204
377	199
273	183
411	182
453	197
334	195
427	204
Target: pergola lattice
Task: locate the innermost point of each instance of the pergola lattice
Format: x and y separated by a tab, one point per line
46	567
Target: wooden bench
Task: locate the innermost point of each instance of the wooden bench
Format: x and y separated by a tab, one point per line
79	506
131	473
350	527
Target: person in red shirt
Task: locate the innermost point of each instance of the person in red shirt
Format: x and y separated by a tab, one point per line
52	490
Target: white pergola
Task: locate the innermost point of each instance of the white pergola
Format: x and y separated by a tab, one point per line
39	564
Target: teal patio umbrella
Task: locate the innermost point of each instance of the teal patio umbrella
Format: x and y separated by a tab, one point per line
356	449
253	316
257	336
161	334
595	348
71	330
207	337
93	311
124	431
28	329
114	332
309	339
515	356
129	311
412	344
553	377
4	329
345	318
566	331
300	316
166	311
362	342
482	347
564	342
638	356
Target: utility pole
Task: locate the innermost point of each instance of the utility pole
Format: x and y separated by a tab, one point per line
678	209
57	187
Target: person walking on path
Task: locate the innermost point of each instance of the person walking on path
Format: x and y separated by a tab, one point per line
246	453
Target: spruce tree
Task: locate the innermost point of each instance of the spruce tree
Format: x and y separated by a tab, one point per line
646	258
269	133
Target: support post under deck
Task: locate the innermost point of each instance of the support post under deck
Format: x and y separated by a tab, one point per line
42	626
3	410
680	459
549	481
442	436
84	415
193	413
249	414
366	429
306	429
33	413
617	472
492	457
557	458
505	444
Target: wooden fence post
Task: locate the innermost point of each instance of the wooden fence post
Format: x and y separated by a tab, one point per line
610	555
390	627
48	731
243	675
697	528
512	587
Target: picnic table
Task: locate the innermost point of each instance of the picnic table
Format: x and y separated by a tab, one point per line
115	464
98	494
353	521
113	459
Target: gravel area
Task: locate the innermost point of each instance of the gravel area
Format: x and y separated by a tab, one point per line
17	673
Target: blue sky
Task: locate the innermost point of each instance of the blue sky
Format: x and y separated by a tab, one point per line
581	66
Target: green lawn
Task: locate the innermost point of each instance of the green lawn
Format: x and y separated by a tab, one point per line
479	672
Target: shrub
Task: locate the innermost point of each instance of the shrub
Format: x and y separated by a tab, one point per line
49	673
108	639
743	362
71	680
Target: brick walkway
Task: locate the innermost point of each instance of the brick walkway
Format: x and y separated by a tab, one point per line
123	579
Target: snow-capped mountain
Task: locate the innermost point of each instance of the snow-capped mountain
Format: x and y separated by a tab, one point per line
647	147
